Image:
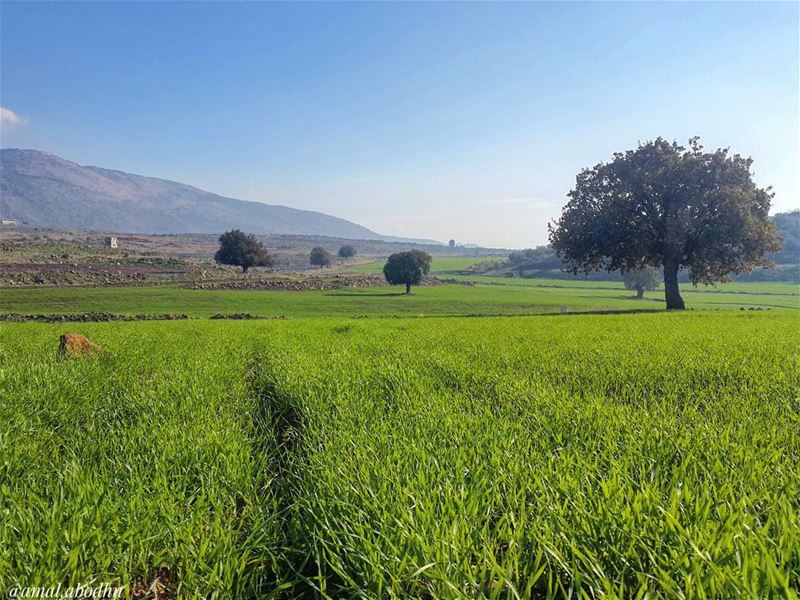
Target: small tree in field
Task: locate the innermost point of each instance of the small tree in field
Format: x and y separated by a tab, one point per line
319	257
641	280
347	251
666	205
452	243
407	268
242	250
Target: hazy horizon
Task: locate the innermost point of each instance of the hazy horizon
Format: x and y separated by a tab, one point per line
465	121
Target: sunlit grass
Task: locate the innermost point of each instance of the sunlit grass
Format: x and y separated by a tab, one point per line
152	452
439	265
585	455
646	454
496	296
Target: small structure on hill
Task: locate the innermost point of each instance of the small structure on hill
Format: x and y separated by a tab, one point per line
110	242
8	221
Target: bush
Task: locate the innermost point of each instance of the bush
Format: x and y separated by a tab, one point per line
347	251
319	257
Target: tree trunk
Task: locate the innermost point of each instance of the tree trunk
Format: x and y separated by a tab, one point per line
244	269
408	288
639	293
671	291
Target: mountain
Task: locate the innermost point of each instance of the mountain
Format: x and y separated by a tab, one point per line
41	189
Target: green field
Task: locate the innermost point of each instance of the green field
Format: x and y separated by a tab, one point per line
622	455
630	455
438	265
493	297
759	288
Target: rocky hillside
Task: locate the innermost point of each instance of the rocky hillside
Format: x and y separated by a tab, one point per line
44	190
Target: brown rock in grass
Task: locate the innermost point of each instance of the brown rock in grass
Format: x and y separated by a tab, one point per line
75	344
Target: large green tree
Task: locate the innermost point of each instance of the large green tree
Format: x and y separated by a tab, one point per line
242	250
407	268
664	205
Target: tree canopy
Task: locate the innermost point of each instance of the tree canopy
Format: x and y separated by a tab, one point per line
641	280
407	268
664	205
347	251
319	257
242	250
788	225
452	243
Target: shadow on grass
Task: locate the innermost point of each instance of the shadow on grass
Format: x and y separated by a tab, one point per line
611	311
293	568
644	300
368	294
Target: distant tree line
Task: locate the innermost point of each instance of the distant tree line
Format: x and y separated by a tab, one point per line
788	225
320	257
240	249
539	258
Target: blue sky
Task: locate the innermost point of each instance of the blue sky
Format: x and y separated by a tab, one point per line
428	120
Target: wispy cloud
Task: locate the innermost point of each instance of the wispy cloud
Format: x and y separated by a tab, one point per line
9	117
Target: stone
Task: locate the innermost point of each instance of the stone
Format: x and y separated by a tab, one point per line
74	344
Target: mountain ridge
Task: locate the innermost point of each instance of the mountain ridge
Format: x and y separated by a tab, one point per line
39	188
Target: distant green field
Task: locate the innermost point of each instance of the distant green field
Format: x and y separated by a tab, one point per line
779	288
452	266
438	265
626	456
494	297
